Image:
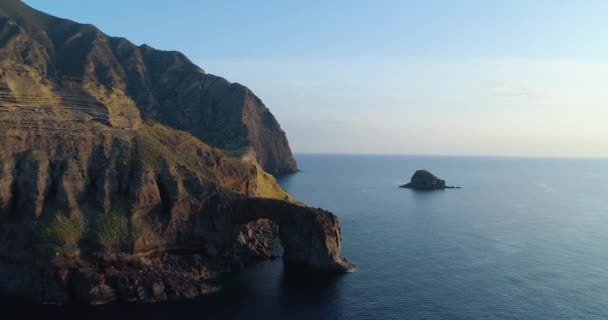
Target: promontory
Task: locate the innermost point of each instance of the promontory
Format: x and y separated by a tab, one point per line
129	173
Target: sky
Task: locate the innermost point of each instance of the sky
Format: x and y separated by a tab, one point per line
486	78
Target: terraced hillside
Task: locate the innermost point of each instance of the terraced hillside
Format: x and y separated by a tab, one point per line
96	187
23	87
165	85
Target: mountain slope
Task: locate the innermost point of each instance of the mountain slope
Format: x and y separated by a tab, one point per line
99	202
165	85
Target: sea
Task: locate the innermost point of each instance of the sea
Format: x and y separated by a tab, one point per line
521	239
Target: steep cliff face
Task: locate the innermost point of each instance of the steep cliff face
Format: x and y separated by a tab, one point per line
165	86
91	195
103	197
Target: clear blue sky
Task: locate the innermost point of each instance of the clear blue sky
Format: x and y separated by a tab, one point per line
520	78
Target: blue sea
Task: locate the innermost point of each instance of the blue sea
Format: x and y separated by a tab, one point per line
522	239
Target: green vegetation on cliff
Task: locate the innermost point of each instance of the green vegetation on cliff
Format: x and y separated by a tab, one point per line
59	228
160	145
267	187
111	229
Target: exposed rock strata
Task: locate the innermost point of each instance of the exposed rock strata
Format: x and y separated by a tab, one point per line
98	204
165	85
79	197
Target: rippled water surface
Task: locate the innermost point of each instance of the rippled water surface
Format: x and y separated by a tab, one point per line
522	239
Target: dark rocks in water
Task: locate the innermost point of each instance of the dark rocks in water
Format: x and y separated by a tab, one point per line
424	180
310	236
254	229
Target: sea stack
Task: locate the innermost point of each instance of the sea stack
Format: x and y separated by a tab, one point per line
424	180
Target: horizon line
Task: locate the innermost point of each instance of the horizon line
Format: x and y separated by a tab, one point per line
455	155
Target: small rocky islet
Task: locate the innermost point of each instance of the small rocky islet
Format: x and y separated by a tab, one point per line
424	180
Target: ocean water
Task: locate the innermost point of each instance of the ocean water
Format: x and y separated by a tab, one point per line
522	239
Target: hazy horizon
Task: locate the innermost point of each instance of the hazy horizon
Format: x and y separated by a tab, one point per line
422	155
460	78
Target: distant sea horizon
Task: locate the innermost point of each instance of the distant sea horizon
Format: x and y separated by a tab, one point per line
531	157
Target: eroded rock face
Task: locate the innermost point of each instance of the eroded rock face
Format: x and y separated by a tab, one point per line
309	236
98	204
258	239
165	85
83	202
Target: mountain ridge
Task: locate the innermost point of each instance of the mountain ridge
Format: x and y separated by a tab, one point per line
109	187
166	85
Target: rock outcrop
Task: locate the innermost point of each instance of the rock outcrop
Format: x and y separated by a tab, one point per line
165	85
424	180
104	198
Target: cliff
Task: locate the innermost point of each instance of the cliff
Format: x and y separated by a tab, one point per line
108	187
165	85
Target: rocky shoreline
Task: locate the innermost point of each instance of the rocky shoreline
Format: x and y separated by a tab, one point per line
130	174
186	270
